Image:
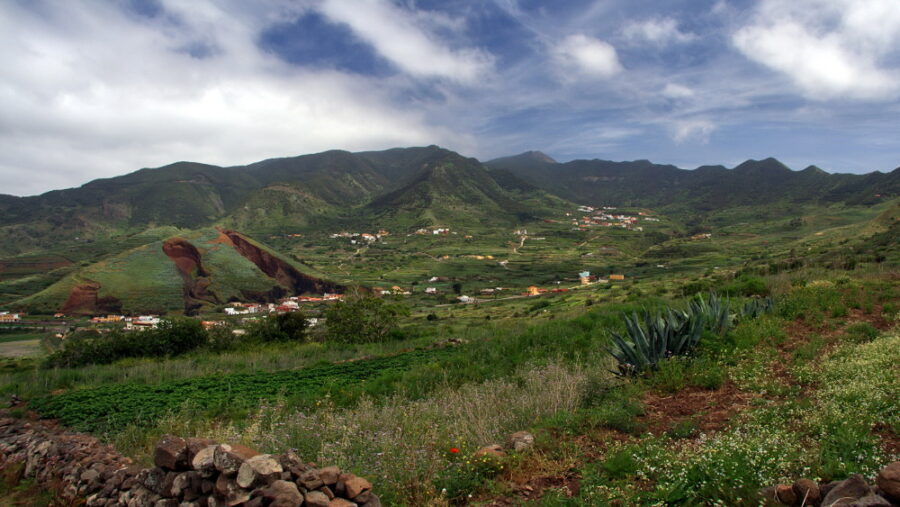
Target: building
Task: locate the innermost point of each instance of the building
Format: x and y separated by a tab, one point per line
533	291
431	290
6	317
585	277
616	277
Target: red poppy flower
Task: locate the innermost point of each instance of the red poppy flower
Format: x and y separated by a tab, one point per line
454	450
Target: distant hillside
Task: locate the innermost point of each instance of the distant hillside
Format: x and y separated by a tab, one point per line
199	269
708	188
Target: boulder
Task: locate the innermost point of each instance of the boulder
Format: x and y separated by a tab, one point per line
280	494
872	501
373	501
228	491
888	479
785	494
807	492
852	489
316	499
310	480
520	441
229	458
204	460
171	453
340	502
330	475
258	470
195	444
355	486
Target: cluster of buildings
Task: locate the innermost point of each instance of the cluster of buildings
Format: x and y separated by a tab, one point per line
286	305
437	231
396	290
7	317
131	323
604	217
361	237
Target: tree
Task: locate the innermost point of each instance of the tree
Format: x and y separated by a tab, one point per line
280	327
363	319
457	288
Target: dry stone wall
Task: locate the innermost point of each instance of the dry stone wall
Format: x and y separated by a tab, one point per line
189	472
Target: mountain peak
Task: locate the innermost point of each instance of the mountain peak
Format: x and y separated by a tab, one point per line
769	165
539	156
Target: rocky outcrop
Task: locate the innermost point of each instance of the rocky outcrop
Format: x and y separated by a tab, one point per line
195	279
188	472
853	491
84	299
286	275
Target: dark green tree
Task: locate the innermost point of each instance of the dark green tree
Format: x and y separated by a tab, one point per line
363	319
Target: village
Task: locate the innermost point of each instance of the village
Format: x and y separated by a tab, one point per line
604	217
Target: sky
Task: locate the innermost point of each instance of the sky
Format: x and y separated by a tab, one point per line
99	88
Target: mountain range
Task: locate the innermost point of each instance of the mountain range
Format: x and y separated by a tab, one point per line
166	238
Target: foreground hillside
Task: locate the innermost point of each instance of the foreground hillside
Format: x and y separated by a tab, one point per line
772	388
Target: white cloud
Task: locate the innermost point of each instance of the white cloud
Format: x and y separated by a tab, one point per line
677	91
828	48
658	31
697	130
89	91
399	36
588	55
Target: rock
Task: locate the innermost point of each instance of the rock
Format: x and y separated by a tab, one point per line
871	501
807	492
888	479
767	497
184	481
520	441
258	470
494	451
171	453
195	445
340	502
90	475
311	480
356	486
255	502
852	488
785	494
330	475
166	502
316	499
280	494
204	460
228	490
229	458
152	479
373	501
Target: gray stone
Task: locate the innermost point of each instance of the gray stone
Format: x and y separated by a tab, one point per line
258	470
316	499
888	479
852	489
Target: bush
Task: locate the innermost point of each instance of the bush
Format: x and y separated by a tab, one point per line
281	327
363	320
172	338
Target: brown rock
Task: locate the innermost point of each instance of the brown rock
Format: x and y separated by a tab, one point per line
373	501
258	470
311	480
852	488
785	494
204	460
888	479
494	451
281	494
316	499
872	501
807	492
355	486
229	458
195	444
228	490
340	502
767	497
171	453
166	502
520	441
330	475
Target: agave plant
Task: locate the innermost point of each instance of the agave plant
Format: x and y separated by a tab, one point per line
756	307
715	310
653	337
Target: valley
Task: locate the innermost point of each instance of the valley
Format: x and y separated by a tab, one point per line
377	310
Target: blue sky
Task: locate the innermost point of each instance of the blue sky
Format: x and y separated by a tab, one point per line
93	88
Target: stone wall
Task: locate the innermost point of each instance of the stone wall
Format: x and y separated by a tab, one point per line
188	473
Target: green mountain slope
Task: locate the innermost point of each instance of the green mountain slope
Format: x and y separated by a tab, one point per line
196	269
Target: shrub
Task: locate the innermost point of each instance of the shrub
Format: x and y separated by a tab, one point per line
645	344
280	327
363	320
172	338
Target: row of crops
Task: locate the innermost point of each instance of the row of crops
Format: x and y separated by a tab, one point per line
113	406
